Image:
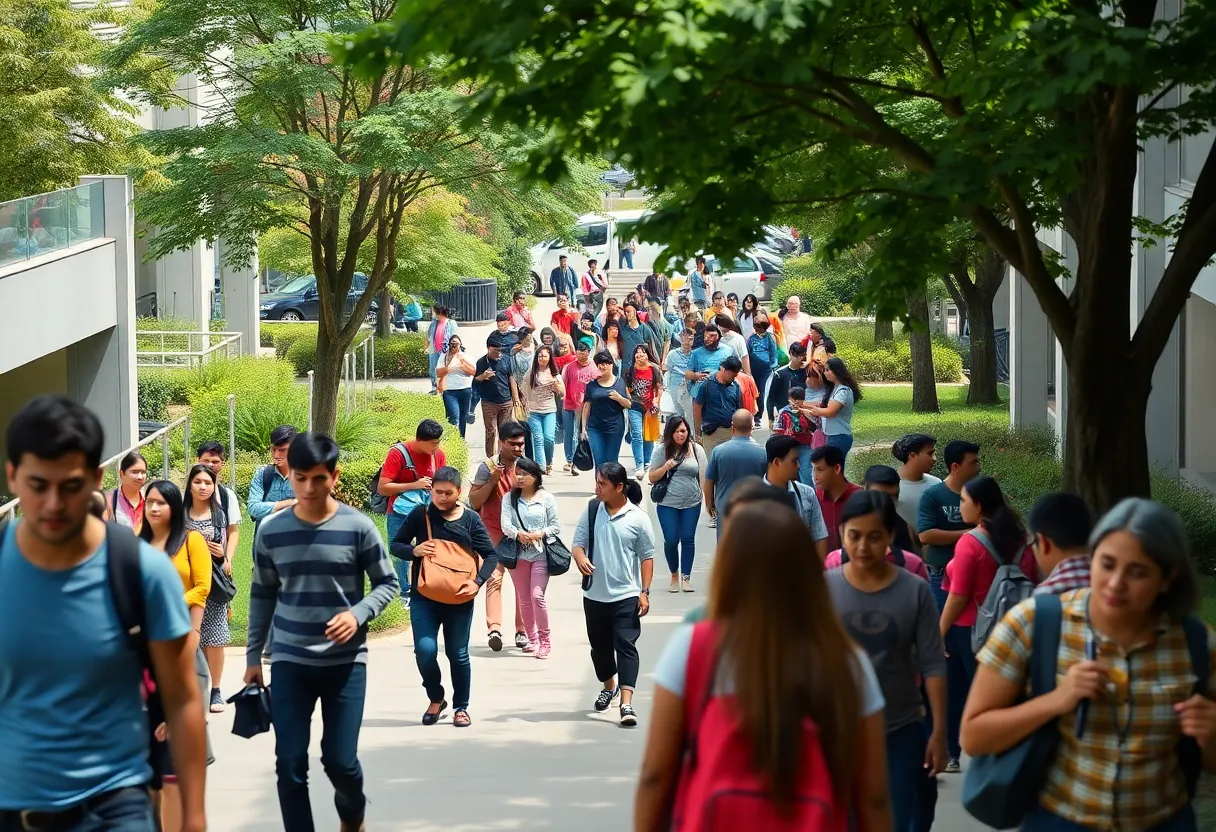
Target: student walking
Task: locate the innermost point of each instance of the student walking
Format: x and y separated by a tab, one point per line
310	564
269	488
614	551
493	378
204	514
734	460
216	633
677	463
784	466
60	773
542	383
836	409
644	381
405	479
832	488
431	531
125	504
1125	684
715	402
1060	525
917	454
939	520
529	517
456	383
890	613
790	705
575	377
439	336
762	352
605	403
676	363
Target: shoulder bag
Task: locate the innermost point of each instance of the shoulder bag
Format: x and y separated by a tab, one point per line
508	547
658	490
445	571
557	555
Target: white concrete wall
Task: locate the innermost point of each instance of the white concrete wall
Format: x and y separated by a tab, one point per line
1199	408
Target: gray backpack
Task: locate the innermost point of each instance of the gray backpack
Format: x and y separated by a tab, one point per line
1009	588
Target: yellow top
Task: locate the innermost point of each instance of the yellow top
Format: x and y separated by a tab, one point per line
193	563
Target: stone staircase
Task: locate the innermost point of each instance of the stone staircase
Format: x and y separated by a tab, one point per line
623	281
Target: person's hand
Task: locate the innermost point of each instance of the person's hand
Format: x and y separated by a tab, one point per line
253	676
423	484
488	374
935	753
162	732
643	604
217	551
227	566
702	376
1197	717
1084	680
583	435
341	627
425	549
584	566
468	589
712	512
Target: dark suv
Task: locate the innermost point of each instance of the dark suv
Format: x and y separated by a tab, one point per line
297	299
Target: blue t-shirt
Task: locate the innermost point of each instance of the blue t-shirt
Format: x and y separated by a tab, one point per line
842	422
71	712
718	403
705	360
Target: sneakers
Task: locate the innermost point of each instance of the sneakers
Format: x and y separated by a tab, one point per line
530	647
639	472
605	698
686	584
495	640
521	641
713	522
629	717
952	767
217	701
674	586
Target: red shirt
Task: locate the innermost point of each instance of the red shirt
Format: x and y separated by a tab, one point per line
565	321
425	465
560	361
575	379
831	512
644	384
971	572
491	509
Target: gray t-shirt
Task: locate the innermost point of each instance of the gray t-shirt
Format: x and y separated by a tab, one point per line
622	542
733	460
842	422
897	626
684	486
910	491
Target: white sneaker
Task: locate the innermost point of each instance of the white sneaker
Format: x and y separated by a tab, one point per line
639	472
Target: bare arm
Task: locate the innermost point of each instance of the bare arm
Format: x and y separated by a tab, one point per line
478	494
173	665
831	410
707	489
514	391
660	763
696	419
821	549
586	415
940	537
233	540
873	793
951	611
992	723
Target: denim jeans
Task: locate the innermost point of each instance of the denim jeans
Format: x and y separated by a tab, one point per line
641	450
294	691
426	617
456	403
543	426
626	259
806	470
432	361
394	522
905	773
121	810
844	441
605	446
960	670
679	526
1041	820
570	431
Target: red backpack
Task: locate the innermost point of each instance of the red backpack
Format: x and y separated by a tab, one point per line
718	791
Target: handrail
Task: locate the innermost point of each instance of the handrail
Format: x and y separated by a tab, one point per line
146	357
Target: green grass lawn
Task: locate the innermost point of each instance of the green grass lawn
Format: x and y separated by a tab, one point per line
885	413
242	572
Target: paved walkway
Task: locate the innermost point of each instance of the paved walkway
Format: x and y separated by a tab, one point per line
537	756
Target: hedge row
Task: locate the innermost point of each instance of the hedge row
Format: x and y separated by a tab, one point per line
400	355
892	360
816	296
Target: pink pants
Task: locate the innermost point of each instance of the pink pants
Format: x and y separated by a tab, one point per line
531	579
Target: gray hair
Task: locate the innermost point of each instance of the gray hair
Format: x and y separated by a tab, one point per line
1163	538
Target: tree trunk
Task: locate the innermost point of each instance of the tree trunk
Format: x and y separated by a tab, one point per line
327	381
983	388
924	382
884	331
384	318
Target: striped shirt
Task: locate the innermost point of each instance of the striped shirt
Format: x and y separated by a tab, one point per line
304	575
1123	772
1070	573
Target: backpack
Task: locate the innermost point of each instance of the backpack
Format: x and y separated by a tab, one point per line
718	791
267	481
1009	588
593	509
379	502
897	557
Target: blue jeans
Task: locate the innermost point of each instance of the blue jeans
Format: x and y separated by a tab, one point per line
394	522
844	441
605	445
570	433
432	360
1041	820
906	774
960	670
456	403
121	810
294	691
679	526
626	259
543	426
426	617
806	470
641	450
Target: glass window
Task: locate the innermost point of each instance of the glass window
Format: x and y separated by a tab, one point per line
593	235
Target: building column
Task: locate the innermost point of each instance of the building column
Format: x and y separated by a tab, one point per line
113	393
1029	344
185	283
241	299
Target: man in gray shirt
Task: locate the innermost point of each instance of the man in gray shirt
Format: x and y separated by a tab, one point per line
782	454
733	460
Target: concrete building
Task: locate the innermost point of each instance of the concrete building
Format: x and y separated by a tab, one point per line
67	303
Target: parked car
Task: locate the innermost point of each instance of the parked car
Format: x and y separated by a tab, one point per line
597	237
298	300
753	272
618	179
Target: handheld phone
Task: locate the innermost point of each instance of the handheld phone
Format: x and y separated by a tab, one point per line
1091	653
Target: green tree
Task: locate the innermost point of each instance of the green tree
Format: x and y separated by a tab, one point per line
1039	108
290	141
58	121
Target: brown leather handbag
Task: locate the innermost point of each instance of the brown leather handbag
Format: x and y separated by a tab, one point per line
444	572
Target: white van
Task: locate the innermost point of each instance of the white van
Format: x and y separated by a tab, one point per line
598	236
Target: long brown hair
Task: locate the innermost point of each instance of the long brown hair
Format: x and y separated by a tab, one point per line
790	656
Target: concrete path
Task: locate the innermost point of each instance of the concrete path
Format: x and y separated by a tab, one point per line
537	756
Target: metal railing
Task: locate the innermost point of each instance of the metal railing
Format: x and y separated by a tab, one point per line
182	353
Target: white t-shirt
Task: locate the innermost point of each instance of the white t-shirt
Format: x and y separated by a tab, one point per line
736	343
795	327
908	504
233	508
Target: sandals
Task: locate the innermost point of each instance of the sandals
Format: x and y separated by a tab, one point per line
686	584
461	719
429	718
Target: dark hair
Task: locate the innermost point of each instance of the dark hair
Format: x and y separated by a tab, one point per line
282	435
724	321
547	330
172	495
797	348
519	294
956	452
912	443
211	446
510	430
751	313
529	466
129	461
536	362
752	490
603	357
593	262
669	433
818	327
447	474
501	316
97	506
841	372
861	503
1164	540
712	327
1063	518
797	394
50	427
881	475
310	449
717	294
1002	524
218	519
830	454
732	296
779	446
616	474
650	357
731	364
428	431
629	301
829	346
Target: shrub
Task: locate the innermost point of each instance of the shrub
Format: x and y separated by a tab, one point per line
816	296
154	395
265	391
397	356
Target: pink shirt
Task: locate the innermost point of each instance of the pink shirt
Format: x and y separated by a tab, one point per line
912	563
575	379
971	572
519	317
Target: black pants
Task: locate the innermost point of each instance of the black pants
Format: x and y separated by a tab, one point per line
613	630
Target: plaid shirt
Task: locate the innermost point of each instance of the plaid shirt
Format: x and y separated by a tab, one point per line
1123	773
1070	573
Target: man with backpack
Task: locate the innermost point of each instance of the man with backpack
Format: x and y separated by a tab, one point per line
404	483
593	283
270	489
211	454
90	612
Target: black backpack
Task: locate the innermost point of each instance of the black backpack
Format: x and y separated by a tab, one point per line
593	509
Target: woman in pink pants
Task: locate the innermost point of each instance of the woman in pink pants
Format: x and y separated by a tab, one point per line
529	517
